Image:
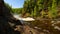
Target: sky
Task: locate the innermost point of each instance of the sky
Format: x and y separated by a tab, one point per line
15	3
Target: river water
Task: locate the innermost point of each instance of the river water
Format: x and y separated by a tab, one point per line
24	19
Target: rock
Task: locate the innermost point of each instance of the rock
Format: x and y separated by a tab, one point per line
5	18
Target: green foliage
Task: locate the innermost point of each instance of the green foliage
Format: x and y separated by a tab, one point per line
14	10
34	6
17	10
54	7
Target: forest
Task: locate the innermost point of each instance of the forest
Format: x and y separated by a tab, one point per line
45	12
38	8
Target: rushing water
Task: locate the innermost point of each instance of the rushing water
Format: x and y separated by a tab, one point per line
24	19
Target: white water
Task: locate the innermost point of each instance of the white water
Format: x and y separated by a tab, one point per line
24	19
